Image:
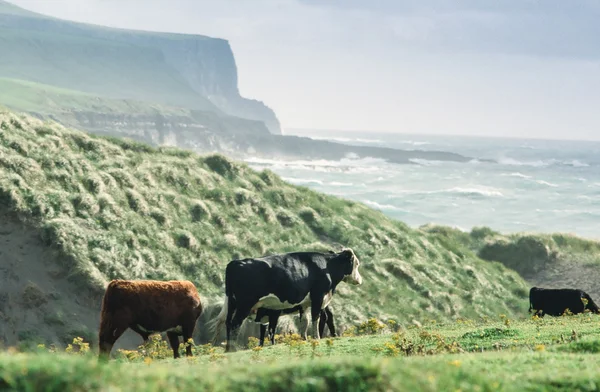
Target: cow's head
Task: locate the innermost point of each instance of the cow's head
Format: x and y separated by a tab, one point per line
351	264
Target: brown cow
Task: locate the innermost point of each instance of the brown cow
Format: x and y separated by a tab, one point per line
147	307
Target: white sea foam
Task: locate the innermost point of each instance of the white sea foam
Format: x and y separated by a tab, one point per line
302	181
383	207
349	165
517	174
347	139
490	192
542	182
335	183
542	162
414	142
426	162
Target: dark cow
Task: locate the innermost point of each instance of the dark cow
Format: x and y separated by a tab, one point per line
280	282
147	307
271	317
555	301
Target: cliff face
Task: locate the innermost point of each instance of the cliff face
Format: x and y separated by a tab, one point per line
191	71
208	66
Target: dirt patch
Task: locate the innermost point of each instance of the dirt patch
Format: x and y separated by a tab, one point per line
38	304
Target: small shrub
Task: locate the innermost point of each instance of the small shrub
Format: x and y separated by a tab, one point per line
94	185
160	217
309	216
185	239
252	342
199	211
78	347
222	165
33	296
285	218
136	202
370	327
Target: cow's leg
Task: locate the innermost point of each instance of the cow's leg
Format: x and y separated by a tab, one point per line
233	328
273	320
112	326
304	324
174	342
231	308
330	322
187	329
315	313
263	330
322	322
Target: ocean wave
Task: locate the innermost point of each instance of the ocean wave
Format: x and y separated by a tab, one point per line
302	181
347	139
490	192
476	191
542	182
335	183
515	162
516	174
426	162
345	165
414	142
576	163
542	162
382	207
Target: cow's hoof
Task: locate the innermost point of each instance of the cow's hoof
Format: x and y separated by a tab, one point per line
230	349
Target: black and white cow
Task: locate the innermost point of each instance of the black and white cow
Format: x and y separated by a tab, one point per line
270	318
555	301
280	282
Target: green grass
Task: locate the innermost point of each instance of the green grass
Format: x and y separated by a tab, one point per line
97	66
553	257
28	96
120	209
531	355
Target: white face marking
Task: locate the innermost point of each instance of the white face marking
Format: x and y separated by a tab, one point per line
354	278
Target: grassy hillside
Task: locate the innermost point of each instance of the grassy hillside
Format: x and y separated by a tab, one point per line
547	260
28	96
107	68
117	209
551	354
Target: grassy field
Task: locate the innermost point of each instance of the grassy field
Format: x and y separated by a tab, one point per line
96	66
45	99
551	354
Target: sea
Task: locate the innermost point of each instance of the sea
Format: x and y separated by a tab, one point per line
538	186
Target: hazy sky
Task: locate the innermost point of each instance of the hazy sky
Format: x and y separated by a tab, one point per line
477	67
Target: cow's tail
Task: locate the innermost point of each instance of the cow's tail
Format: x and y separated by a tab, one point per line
215	326
591	305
